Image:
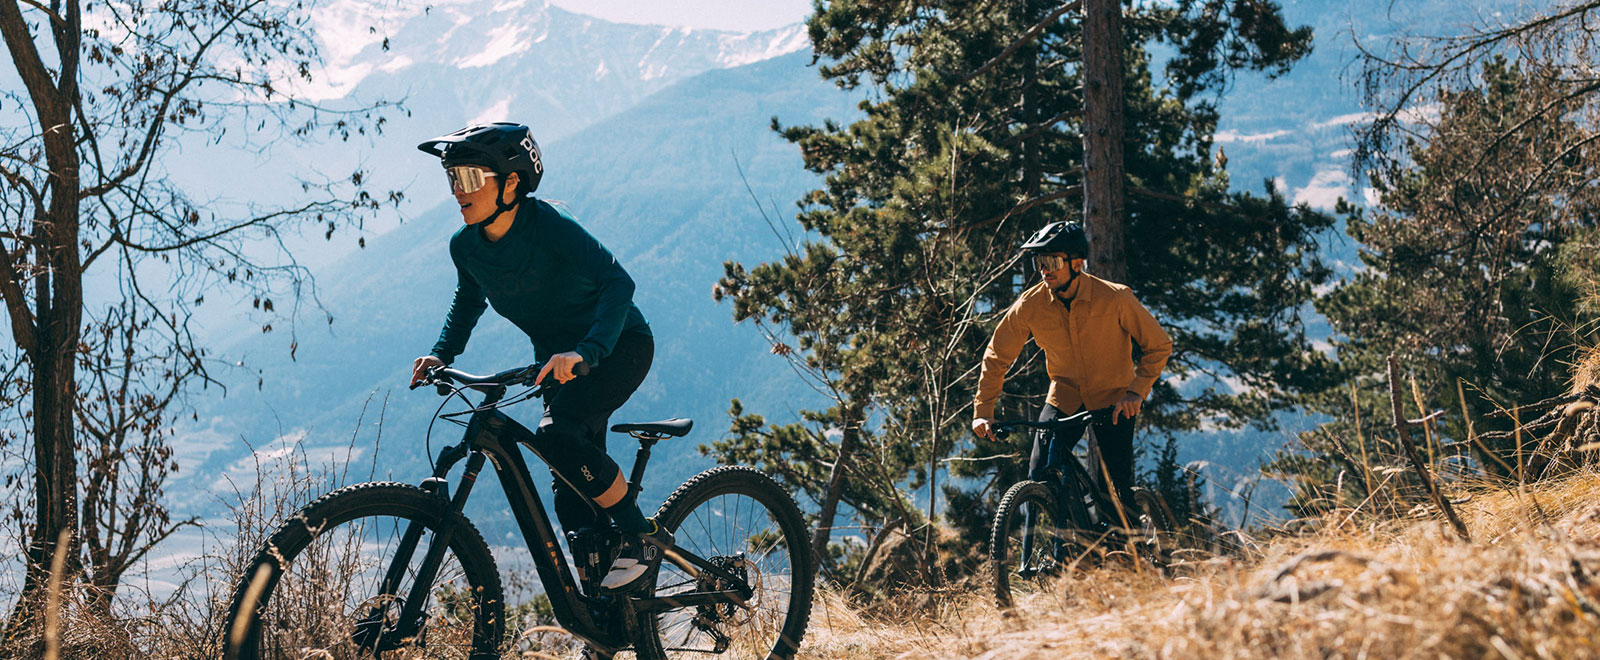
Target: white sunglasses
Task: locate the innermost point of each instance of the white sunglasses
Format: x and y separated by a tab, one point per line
467	179
1049	262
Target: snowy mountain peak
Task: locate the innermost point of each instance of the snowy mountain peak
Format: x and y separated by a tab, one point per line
518	36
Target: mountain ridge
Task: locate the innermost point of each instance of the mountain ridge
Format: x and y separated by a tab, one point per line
390	299
633	164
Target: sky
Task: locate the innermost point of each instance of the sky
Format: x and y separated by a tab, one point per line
740	15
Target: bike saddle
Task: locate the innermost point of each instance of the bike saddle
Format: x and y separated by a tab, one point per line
676	427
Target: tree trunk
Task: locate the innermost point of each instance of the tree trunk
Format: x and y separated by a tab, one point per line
57	300
830	498
1104	207
55	476
933	496
58	311
1032	173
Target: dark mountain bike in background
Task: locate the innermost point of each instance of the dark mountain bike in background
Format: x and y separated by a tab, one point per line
1043	527
392	570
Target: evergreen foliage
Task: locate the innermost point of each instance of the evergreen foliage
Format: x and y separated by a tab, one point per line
1173	483
1475	268
970	141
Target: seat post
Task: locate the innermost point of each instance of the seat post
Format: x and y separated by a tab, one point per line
636	478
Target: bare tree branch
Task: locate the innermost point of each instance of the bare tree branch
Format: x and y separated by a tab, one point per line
22	322
51	13
35	76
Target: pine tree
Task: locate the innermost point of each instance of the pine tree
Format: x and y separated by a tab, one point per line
1169	480
1475	264
970	141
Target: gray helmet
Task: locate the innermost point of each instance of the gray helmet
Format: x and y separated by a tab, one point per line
501	146
1067	237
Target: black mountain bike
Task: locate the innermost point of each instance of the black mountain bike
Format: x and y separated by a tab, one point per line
391	570
1042	527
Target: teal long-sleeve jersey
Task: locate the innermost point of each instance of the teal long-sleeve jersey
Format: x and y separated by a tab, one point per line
550	278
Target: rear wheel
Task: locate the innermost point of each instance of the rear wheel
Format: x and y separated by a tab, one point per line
1030	542
1155	524
744	522
1154	514
315	588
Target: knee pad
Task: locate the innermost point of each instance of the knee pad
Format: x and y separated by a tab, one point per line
572	455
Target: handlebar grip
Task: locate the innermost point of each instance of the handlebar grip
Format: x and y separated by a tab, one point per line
579	369
441	377
427	377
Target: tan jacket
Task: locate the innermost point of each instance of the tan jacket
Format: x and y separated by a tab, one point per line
1088	352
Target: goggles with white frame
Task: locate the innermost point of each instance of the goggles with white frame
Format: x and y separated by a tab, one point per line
467	179
1049	262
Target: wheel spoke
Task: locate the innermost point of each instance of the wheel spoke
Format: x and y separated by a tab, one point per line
328	602
734	525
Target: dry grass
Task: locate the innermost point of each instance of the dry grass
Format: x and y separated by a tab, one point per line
1364	587
1527	587
1586	373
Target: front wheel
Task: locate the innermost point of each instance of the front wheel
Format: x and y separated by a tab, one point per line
744	522
1030	542
333	582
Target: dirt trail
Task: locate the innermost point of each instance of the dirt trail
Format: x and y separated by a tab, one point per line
1527	587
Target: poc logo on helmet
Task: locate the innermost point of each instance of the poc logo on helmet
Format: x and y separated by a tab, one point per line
528	146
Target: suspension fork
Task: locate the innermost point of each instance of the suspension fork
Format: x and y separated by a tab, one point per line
1025	554
422	583
1039	469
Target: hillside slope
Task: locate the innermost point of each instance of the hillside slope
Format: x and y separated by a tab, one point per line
1525	587
660	185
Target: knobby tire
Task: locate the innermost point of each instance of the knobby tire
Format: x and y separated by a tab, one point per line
313	584
1012	568
761	518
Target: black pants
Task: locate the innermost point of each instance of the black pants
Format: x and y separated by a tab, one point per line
572	435
1112	442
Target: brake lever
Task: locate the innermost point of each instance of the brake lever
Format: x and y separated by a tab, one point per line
532	372
428	379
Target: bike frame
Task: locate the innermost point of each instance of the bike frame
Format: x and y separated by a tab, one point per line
1073	483
492	435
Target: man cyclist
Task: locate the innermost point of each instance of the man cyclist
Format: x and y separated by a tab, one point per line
552	279
1089	329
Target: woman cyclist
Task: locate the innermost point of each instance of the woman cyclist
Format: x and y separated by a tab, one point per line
543	272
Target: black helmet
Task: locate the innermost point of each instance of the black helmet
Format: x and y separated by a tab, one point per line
1065	237
501	146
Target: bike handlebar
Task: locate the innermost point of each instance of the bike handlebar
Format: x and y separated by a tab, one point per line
507	378
1076	420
